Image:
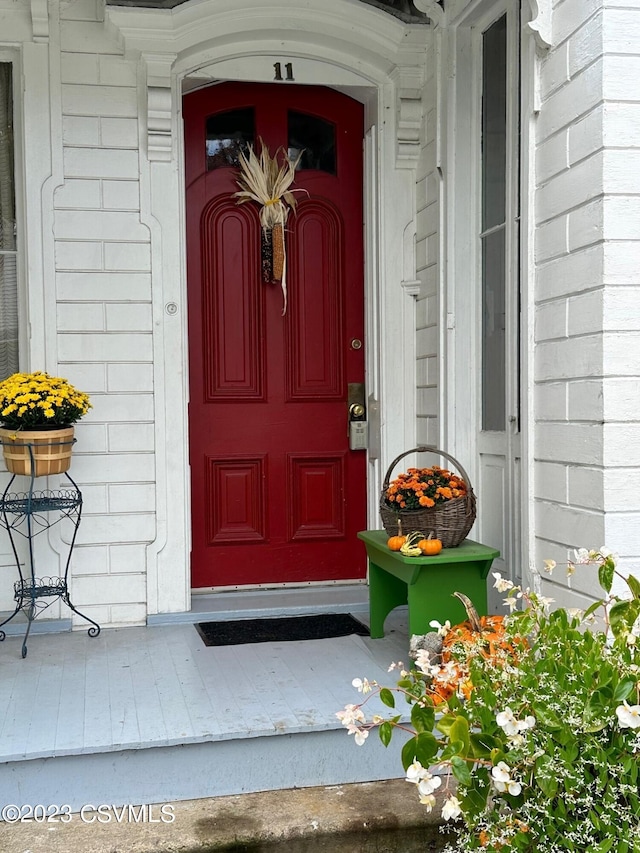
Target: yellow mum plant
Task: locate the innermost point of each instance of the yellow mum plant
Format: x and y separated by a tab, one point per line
36	400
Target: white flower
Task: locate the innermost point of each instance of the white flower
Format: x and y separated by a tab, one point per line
423	660
501	773
511	602
443	630
507	722
545	601
415	772
451	809
502	780
502	584
393	666
351	714
511	726
360	736
628	716
363	685
606	553
429	801
580	555
549	565
428	784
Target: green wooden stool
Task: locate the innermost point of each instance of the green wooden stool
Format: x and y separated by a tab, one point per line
426	584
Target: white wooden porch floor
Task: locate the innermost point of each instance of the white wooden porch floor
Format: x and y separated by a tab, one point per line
152	714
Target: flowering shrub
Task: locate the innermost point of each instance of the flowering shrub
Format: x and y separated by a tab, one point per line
538	747
424	487
31	400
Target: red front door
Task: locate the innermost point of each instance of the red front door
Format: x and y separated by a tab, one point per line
277	495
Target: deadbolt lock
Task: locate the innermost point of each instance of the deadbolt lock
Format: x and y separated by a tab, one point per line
357	417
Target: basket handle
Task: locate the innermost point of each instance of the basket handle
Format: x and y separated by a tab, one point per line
424	448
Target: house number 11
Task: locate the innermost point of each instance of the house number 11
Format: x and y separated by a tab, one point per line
277	66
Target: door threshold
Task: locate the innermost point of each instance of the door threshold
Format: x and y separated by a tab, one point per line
264	603
208	590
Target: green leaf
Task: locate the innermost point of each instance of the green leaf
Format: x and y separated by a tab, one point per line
545	776
623	615
604	846
454	747
623	689
422	719
444	724
459	732
422	747
387	698
634	585
592	609
605	574
461	770
474	799
482	744
385	731
547	718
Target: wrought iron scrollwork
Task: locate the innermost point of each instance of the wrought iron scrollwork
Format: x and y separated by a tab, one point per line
28	514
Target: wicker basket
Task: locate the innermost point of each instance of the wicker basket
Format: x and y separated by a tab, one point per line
450	521
50	451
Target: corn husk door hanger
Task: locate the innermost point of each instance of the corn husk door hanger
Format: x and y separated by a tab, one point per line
263	181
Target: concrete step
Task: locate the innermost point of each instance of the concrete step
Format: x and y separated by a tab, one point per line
378	817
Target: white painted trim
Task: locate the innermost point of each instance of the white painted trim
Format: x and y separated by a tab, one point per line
40	20
529	62
351	47
541	23
460	313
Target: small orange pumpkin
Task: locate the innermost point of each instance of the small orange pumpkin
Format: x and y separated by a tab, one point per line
430	547
394	543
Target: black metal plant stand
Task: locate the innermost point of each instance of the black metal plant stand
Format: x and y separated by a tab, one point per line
28	514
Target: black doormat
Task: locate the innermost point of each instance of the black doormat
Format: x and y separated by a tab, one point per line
319	627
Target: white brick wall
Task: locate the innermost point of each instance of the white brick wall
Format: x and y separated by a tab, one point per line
103	265
587	365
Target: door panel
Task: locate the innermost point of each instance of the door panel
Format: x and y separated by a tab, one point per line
277	496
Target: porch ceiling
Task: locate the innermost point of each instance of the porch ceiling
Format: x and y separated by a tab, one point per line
405	10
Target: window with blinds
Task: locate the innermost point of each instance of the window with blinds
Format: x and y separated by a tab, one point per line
8	235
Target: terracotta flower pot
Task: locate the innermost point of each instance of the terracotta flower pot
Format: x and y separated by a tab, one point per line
50	450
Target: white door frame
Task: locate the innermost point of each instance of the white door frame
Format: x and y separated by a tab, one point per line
352	47
461	306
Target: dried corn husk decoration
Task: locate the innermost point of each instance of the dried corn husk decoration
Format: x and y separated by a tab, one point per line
262	180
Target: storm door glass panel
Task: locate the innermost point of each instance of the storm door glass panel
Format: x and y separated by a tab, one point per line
316	138
8	240
492	236
227	135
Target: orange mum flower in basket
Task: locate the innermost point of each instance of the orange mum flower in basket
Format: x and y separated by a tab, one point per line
424	487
